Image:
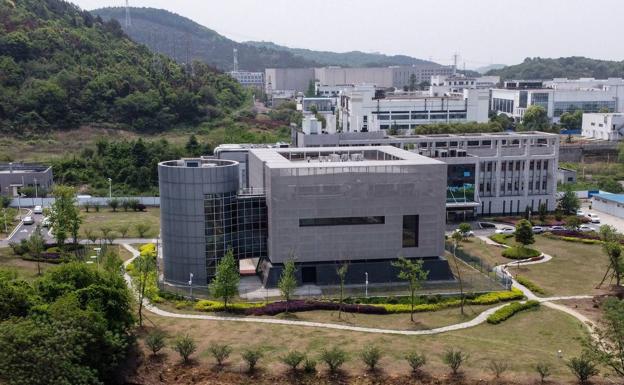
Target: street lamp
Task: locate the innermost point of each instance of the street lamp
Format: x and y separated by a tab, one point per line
110	188
36	190
190	282
366	284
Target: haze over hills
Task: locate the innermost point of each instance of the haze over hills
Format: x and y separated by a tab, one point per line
570	67
174	35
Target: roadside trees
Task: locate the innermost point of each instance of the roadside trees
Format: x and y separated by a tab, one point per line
225	283
145	264
412	272
569	202
64	215
288	281
608	347
524	233
36	244
457	238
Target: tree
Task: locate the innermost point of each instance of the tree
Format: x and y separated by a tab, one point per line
569	202
608	346
293	358
615	268
36	244
185	346
288	281
142	229
220	352
416	361
572	120
123	230
311	90
252	356
64	215
498	367
90	235
412	272
113	204
464	229
573	222
155	341
192	147
524	233
542	210
413	82
225	282
457	238
144	265
544	371
454	359
342	275
370	356
535	119
583	368
334	358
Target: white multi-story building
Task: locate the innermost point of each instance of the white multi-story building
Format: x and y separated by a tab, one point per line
566	96
366	109
603	126
249	79
458	83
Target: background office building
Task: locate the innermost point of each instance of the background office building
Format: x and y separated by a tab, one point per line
557	97
367	109
15	176
603	126
248	79
495	173
361	205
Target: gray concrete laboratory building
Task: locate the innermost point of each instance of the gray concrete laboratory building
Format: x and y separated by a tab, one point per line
364	206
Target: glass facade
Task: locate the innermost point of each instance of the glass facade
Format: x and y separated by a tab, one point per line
587	106
460	187
234	222
503	105
540	99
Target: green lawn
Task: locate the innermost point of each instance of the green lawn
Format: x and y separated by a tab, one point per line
95	221
488	253
576	268
522	341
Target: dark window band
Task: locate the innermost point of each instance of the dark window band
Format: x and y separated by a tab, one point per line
343	221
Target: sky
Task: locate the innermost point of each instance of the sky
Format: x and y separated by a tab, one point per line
482	32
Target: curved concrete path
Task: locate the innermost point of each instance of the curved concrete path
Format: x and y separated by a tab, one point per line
482	317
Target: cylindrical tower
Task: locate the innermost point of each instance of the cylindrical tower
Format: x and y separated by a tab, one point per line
196	197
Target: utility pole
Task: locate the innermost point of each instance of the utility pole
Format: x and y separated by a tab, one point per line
235	60
128	22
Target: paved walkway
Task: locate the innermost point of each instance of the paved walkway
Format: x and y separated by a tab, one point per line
463	325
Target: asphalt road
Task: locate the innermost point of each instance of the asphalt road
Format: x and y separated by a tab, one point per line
25	231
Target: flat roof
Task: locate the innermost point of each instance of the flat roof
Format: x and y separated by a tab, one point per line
310	157
617	198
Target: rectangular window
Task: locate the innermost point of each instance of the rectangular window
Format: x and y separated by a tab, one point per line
410	230
343	221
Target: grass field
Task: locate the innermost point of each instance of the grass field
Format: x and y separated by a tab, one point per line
95	221
522	341
575	269
489	254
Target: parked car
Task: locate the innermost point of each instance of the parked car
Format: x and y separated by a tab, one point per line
470	233
593	218
28	220
505	230
45	222
580	213
487	225
538	229
585	228
557	228
38	210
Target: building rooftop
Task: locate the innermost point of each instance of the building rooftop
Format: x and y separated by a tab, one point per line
618	198
358	156
7	168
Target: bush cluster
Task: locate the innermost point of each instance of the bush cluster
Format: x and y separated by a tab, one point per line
309	305
508	311
501	238
575	236
529	285
518	252
215	306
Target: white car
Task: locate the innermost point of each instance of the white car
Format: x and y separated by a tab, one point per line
505	230
580	213
557	228
45	222
585	228
538	229
28	220
38	210
593	218
470	233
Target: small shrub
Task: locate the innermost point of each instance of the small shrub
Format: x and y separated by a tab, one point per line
583	368
185	346
454	360
518	252
370	357
530	285
293	359
544	371
155	341
416	361
309	366
183	304
220	352
252	356
501	238
508	311
334	358
498	367
497	296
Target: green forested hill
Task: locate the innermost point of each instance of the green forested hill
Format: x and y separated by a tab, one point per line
61	67
345	59
570	67
182	39
174	35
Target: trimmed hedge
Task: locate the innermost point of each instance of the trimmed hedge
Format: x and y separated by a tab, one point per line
215	306
501	238
577	237
529	285
508	311
309	305
497	296
518	252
